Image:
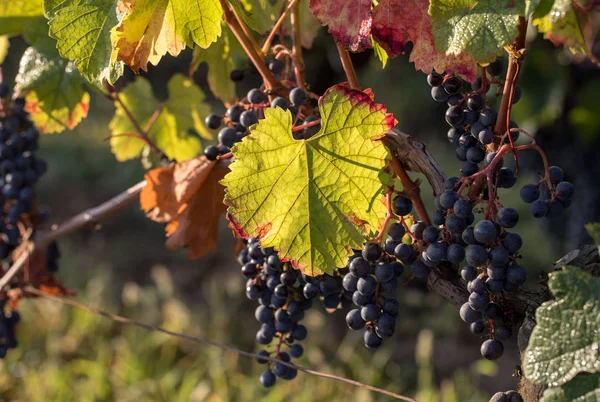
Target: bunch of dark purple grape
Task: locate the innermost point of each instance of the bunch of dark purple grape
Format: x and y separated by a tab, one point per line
284	295
241	116
490	250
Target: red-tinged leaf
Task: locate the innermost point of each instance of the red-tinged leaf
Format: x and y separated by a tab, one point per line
196	228
349	21
396	22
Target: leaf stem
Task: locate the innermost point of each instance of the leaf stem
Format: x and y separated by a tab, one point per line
248	46
348	67
267	44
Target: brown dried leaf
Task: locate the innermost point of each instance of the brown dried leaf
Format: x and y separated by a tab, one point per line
36	272
188	177
157	198
171	187
196	227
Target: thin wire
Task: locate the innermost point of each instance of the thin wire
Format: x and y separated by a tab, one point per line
197	339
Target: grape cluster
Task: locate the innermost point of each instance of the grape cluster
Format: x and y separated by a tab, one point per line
471	120
20	169
373	279
284	295
240	116
548	199
485	248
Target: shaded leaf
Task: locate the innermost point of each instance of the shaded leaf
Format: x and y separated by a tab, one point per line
196	228
380	53
153	28
16	14
563	26
566	340
313	200
183	111
158	199
53	90
309	26
583	388
477	27
221	63
348	21
396	22
82	30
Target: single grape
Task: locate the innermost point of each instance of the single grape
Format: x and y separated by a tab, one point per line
402	205
476	102
556	174
488	117
367	285
486	136
227	137
296	350
354	320
492	349
276	66
370	312
506	178
455	224
298	96
455	253
529	193
516	274
372	252
419	269
434	79
384	272
279	102
507	217
468	315
248	118
502	332
268	379
475	155
452	85
439	94
213	121
256	96
372	341
476	255
468	273
495	67
455	116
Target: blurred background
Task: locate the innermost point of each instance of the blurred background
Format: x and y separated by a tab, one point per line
72	355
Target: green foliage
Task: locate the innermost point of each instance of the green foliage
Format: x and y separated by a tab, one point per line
561	25
222	58
313	200
175	130
566	340
480	28
583	388
16	14
82	30
52	85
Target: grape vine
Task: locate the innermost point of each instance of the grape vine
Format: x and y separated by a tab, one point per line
317	186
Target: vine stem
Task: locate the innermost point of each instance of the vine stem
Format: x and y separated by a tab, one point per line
502	122
267	45
348	67
247	44
204	341
410	188
389	215
297	46
92	216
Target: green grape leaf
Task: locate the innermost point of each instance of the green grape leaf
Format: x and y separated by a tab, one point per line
258	16
583	388
594	230
562	26
380	53
82	30
222	58
312	200
175	129
15	14
151	28
566	340
54	95
478	27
